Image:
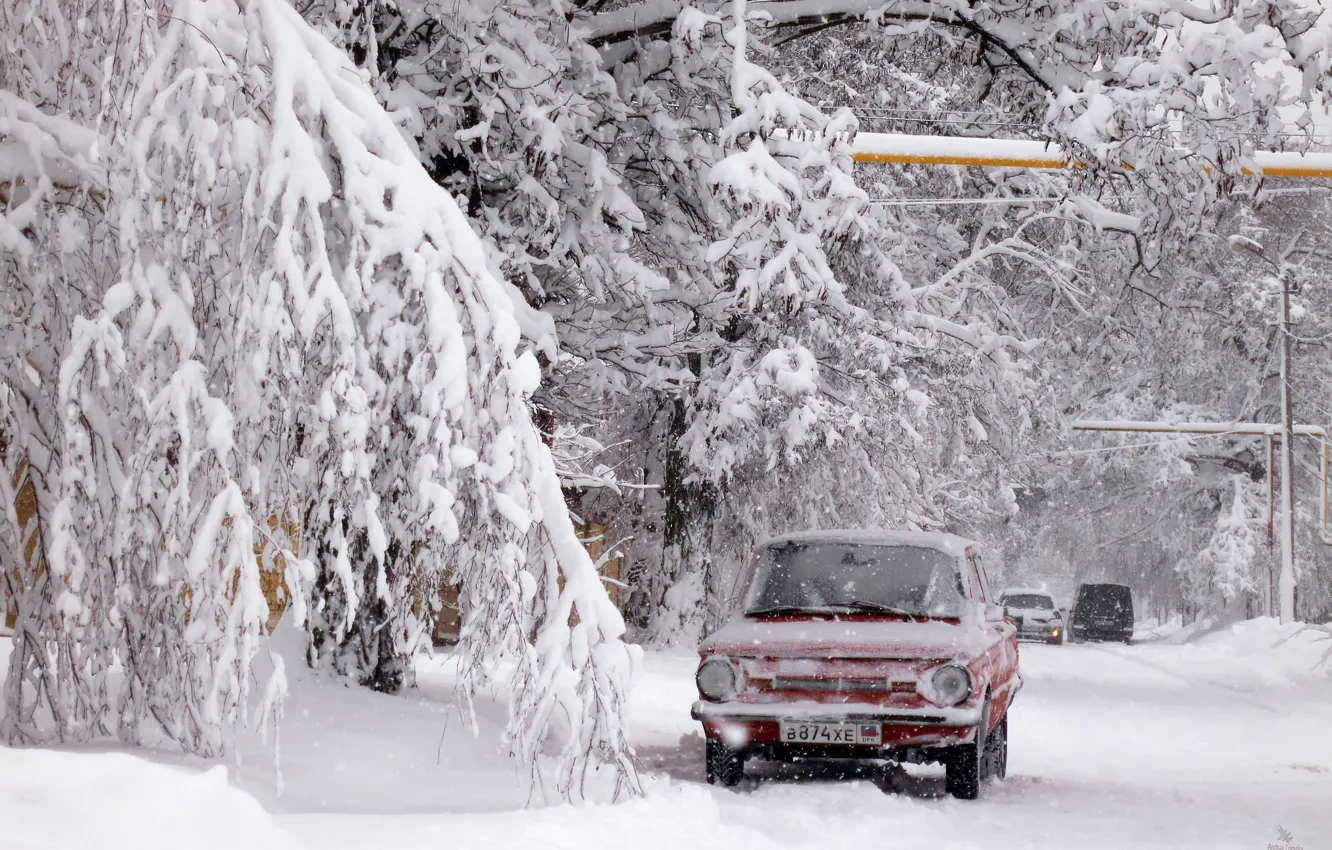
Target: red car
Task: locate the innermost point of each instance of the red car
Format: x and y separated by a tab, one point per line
862	645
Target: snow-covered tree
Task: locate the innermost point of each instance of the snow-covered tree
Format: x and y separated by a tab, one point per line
1157	323
900	378
1225	569
282	314
686	247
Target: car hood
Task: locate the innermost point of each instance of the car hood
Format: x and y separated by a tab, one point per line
846	638
1032	613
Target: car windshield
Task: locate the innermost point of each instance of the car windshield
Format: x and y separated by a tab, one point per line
1028	601
832	576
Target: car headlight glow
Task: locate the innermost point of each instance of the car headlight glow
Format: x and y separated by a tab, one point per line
717	679
951	684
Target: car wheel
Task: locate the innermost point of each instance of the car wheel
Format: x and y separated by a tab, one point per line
964	769
996	751
726	767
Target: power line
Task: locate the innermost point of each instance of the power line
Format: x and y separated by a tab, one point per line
917	113
928	202
959	118
954	121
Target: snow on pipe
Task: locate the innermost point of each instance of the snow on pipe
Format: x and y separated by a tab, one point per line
1260	428
1028	153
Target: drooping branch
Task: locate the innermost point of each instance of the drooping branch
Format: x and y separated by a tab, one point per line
991	42
655	18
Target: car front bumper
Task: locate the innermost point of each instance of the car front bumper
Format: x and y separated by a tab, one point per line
1096	631
1040	631
756	727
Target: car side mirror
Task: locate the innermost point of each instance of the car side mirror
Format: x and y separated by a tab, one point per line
995	615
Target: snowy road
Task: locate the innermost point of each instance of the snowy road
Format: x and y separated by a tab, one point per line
1212	745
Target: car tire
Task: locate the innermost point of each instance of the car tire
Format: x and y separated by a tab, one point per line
964	769
725	766
996	751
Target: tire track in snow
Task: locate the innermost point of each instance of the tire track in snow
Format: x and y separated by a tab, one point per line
1221	688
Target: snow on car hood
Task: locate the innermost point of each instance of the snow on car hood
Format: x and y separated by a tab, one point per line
1035	614
849	638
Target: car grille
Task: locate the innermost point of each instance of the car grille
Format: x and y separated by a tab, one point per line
883	686
871	680
789	683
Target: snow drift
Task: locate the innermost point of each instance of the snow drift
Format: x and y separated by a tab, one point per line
112	801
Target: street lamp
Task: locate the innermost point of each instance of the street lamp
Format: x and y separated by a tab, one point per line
1286	577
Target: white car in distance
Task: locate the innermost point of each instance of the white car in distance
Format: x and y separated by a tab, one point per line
1034	613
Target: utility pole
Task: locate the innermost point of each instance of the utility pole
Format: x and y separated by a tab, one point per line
1286	578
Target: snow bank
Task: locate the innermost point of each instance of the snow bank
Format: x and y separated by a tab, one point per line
112	801
1152	629
1259	652
344	749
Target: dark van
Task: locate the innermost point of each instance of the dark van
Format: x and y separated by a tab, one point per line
1102	612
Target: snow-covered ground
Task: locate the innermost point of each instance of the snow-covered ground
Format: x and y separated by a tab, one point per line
1211	743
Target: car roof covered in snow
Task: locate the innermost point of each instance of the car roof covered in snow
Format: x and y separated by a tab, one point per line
948	543
1014	591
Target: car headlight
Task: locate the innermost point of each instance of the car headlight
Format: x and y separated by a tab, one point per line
717	679
951	684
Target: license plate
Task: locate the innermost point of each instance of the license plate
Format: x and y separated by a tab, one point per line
816	732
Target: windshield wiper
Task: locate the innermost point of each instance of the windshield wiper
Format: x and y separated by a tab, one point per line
863	607
856	606
785	610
